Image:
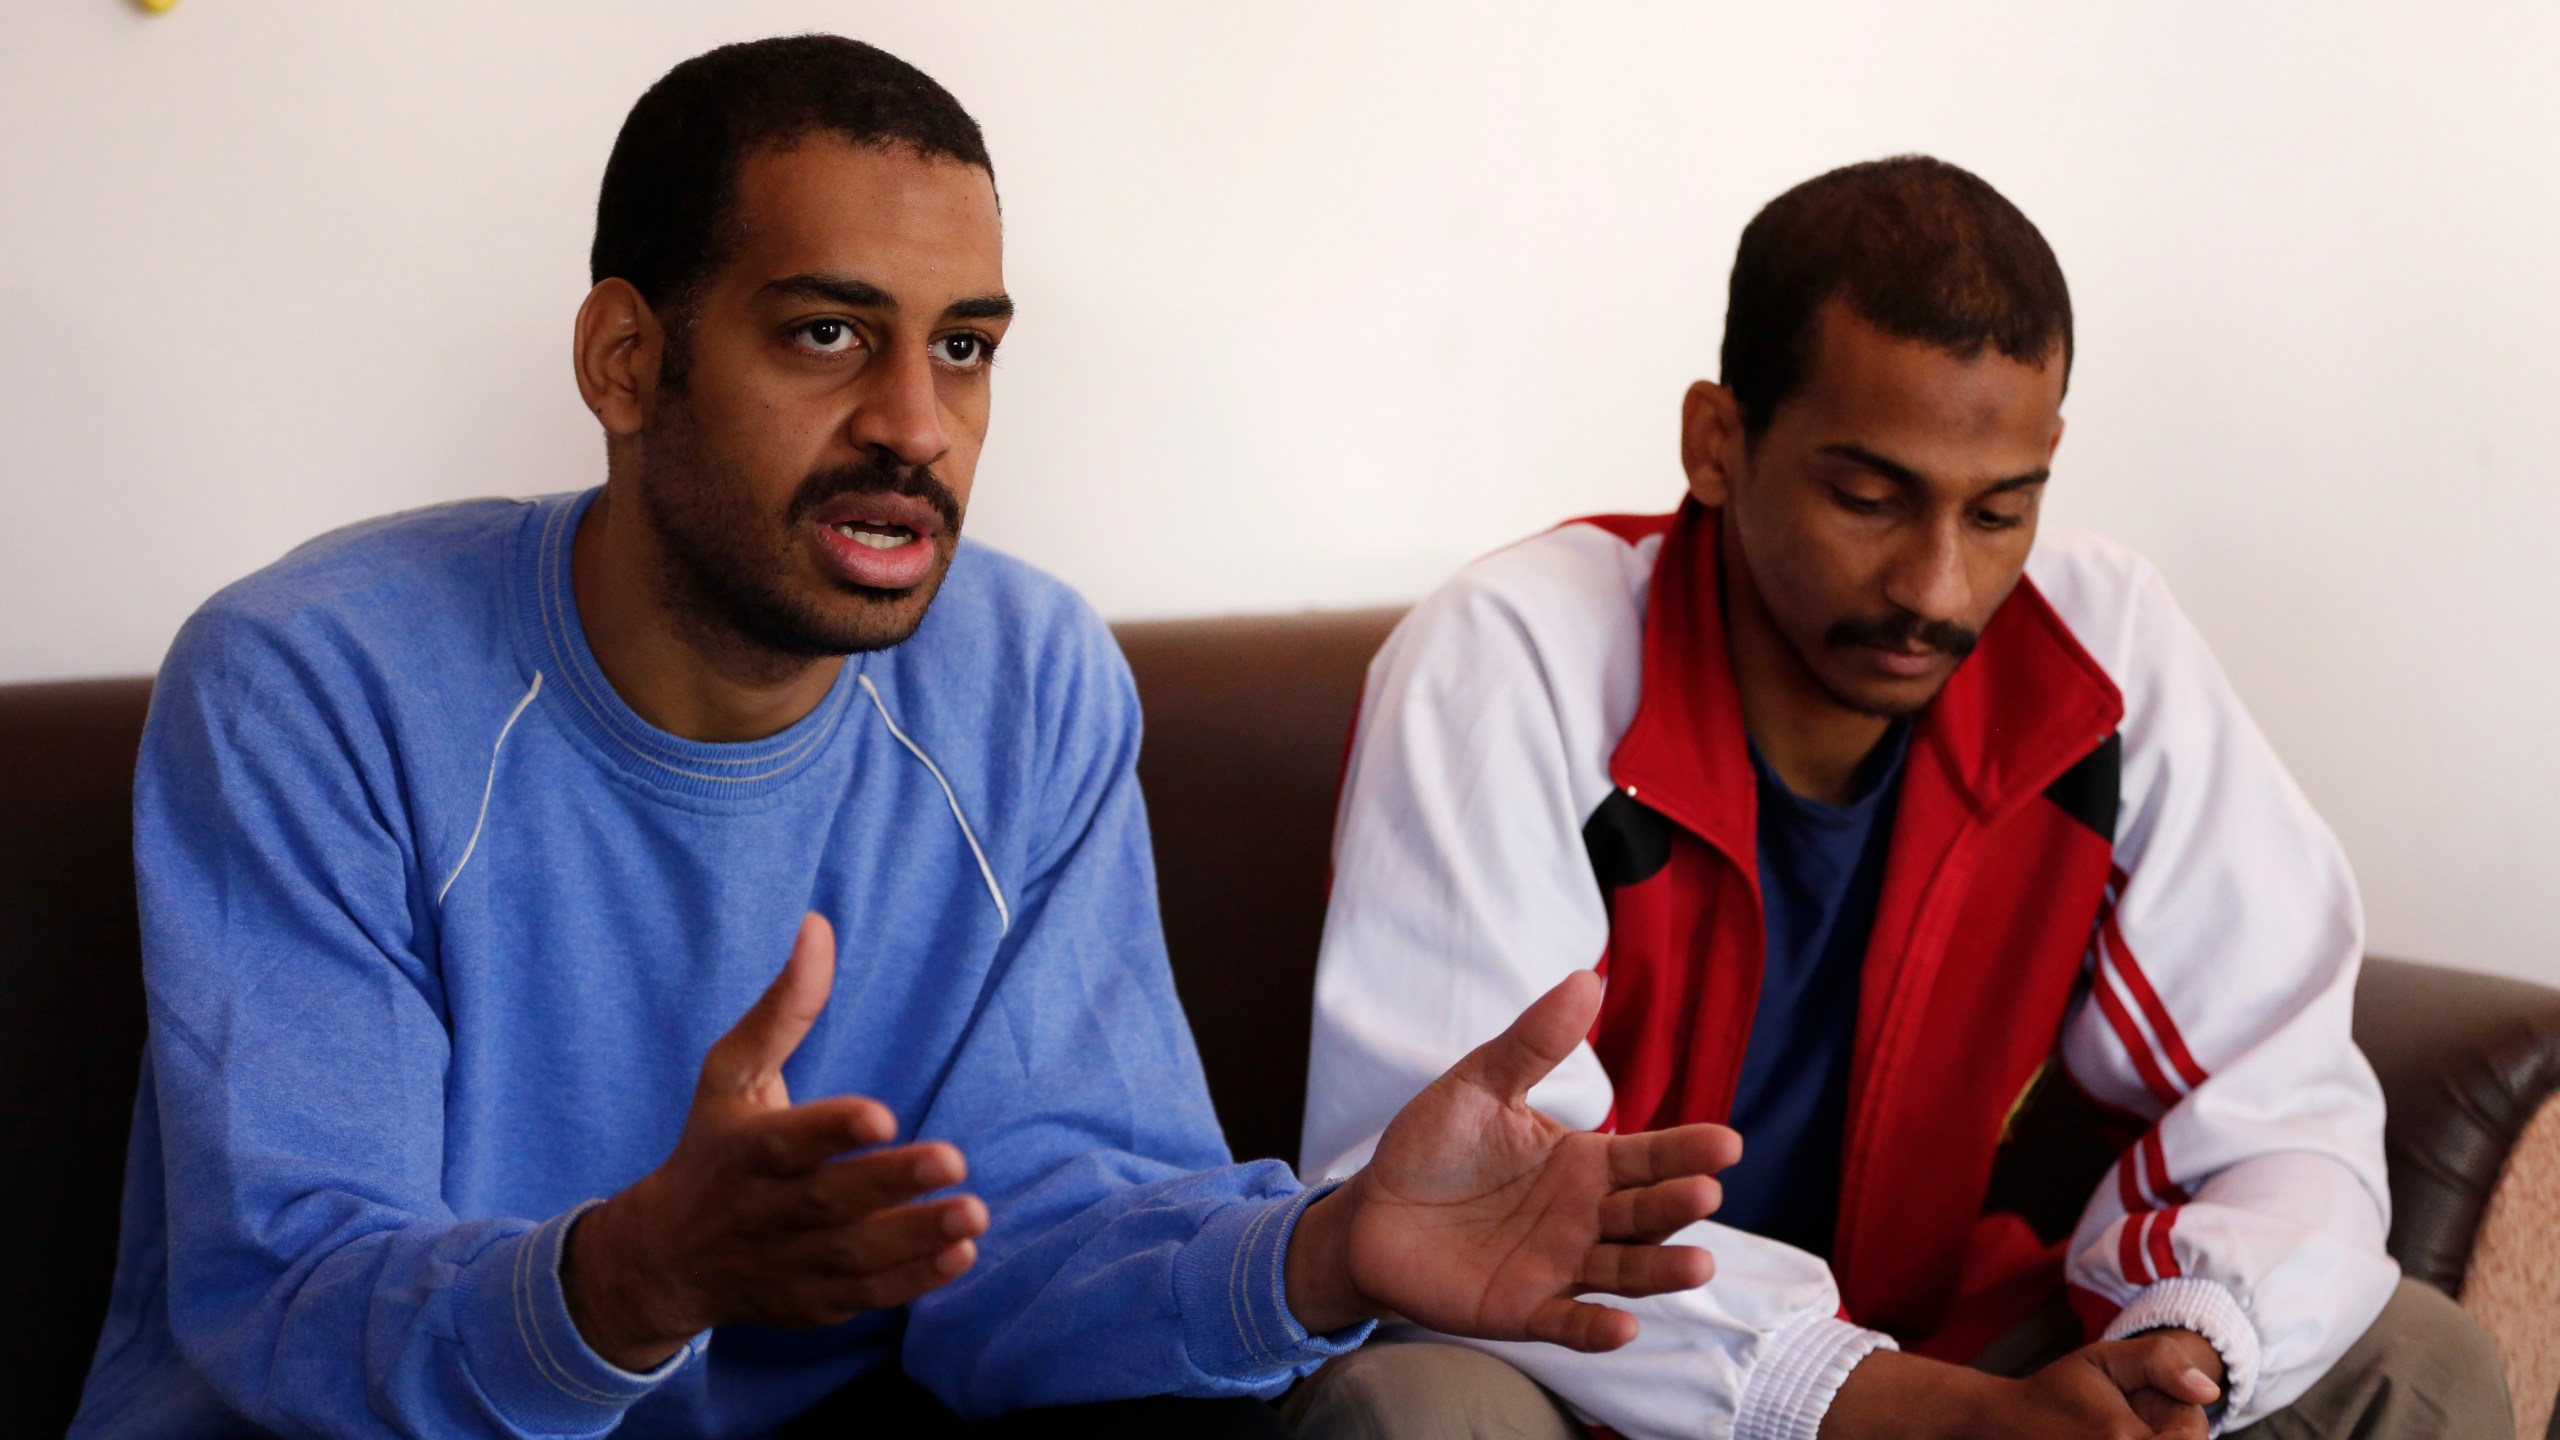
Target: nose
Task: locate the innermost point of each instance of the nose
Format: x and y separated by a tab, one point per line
898	409
1928	576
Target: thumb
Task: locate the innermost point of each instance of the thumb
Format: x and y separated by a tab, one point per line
1537	1042
751	1054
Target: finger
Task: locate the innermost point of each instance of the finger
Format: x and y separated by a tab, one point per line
911	1280
850	1189
2168	1419
2159	1362
1636	1271
2168	1366
754	1049
1657	1212
804	1137
2188	1424
891	1239
1656	1155
1538	1041
1577	1326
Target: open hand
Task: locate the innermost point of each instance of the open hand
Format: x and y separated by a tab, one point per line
754	1218
1480	1216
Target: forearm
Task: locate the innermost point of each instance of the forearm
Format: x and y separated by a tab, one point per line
436	1328
1755	1352
1893	1396
1175	1284
2276	1260
2152	1385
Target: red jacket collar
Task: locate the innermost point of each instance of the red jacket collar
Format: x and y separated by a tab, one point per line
2026	705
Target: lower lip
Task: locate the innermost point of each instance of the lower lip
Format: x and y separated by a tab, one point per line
901	568
1904	665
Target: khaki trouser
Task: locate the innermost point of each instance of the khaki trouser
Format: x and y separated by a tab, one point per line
2425	1371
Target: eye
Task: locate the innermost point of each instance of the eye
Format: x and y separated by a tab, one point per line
1856	504
1994	520
825	337
964	350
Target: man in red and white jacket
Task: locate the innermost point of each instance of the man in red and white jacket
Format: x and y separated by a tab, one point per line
1876	809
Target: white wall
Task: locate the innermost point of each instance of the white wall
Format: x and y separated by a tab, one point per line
1319	301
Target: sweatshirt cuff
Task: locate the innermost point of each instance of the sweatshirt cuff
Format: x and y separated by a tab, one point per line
1232	1284
1798	1373
2191	1302
526	1354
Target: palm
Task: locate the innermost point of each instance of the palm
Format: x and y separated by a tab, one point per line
1480	1216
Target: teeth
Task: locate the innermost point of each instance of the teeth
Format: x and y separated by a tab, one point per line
876	542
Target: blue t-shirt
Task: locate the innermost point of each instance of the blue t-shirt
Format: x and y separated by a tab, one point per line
1821	870
436	930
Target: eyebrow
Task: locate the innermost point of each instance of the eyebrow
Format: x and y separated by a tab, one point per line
863	295
980	307
1901	474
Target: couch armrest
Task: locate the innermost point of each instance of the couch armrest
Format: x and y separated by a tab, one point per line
2466	1062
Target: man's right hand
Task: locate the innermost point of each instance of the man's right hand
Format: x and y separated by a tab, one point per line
2142	1388
754	1219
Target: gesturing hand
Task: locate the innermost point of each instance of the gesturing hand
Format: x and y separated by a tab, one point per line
1479	1216
753	1218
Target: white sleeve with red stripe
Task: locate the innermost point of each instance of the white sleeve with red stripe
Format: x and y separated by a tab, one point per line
2253	1210
1462	892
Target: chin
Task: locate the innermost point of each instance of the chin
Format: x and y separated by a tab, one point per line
1886	700
817	619
879	624
847	620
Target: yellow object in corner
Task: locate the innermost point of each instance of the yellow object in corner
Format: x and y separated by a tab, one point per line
159	7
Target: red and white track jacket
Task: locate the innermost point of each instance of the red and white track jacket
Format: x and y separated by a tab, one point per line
2096	860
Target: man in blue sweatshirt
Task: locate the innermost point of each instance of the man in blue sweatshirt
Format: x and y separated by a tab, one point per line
469	842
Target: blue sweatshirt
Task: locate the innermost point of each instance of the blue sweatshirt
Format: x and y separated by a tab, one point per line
436	931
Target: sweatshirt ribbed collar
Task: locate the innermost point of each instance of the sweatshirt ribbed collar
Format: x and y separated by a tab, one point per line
555	643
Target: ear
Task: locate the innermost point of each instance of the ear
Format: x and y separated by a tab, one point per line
2058	424
1710	441
618	345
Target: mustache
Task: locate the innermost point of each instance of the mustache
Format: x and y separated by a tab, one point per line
1902	630
881	473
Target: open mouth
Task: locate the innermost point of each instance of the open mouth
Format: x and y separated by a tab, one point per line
875	534
877	542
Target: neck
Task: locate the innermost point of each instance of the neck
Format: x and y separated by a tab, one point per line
684	677
1813	742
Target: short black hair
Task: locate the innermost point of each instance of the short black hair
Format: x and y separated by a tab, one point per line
1917	247
670	186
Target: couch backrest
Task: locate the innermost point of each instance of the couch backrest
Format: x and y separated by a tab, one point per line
1247	722
70	1028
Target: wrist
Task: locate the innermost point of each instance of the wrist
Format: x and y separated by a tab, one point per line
1322	1292
630	1317
1909	1397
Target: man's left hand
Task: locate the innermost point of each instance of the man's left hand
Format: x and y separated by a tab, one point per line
2174	1406
1480	1216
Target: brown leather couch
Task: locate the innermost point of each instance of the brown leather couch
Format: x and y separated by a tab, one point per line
1246	720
